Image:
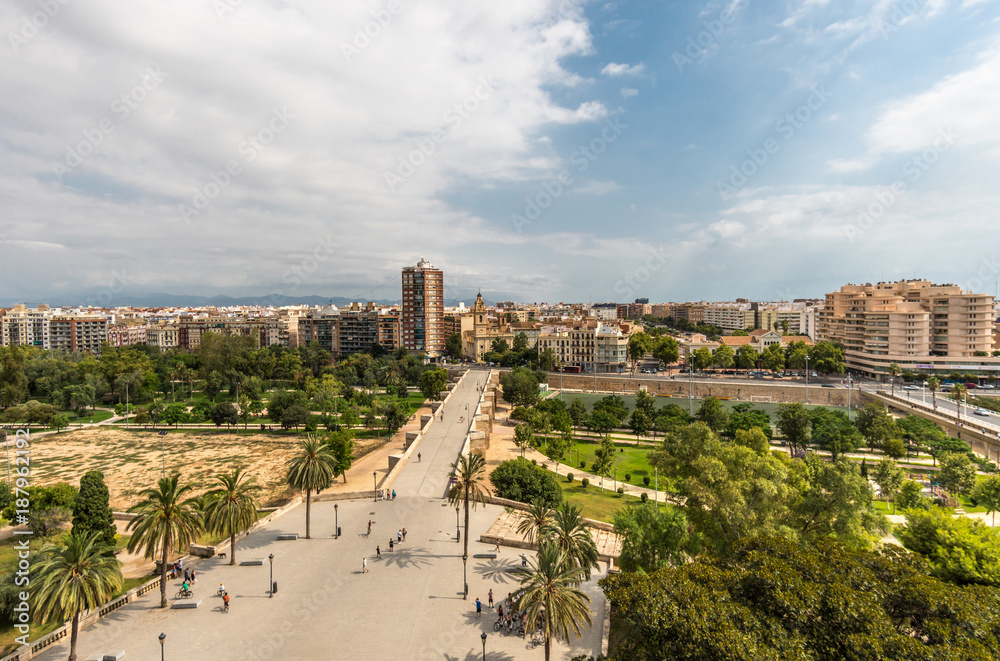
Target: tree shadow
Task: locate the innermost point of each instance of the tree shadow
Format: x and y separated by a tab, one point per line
498	571
406	557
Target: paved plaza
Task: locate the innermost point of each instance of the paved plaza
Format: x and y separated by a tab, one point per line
408	606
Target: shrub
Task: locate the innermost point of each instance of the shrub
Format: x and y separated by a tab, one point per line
584	483
621	492
583	464
569	477
643	497
628	477
521	480
645	480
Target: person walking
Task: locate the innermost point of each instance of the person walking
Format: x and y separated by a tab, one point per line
490	598
194	578
378	552
497	548
390	545
479	608
524	560
404	534
369	526
394	494
364	565
187	576
399	536
418	457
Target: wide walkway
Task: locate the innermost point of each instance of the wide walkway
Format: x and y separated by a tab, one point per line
408	606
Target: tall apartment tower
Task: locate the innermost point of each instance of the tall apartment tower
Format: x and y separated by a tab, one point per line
422	320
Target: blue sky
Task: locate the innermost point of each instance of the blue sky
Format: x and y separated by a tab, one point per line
866	134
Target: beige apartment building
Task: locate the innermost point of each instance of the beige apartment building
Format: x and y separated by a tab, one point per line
589	345
162	336
78	332
916	324
422	315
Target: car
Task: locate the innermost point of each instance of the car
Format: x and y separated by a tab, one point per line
828	385
988	386
982	412
814	375
970	386
911	387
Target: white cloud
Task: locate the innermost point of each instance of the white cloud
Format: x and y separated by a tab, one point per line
614	69
629	92
470	105
598	187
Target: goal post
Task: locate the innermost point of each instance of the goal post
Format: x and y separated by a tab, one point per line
760	398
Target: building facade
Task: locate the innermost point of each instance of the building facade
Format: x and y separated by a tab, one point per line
422	317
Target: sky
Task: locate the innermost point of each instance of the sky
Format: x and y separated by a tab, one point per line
535	150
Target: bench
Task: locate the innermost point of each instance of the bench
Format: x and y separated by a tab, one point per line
485	556
288	536
256	562
113	656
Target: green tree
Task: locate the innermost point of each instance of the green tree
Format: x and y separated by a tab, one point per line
958	474
753	439
910	496
724	357
889	478
604	458
453	345
469	488
894	448
523	438
773	358
746	417
894	371
836	501
569	532
640	423
223	413
74	576
60	421
312	469
577	411
433	382
341	444
293	416
349	417
827	358
534	520
549	594
701	358
520	480
834	432
652	540
244	412
959	549
795	424
92	511
500	346
175	414
396	414
933	385
165	521
713	414
875	424
232	507
213	385
987	494
604	422
519	387
666	350
639	344
746	357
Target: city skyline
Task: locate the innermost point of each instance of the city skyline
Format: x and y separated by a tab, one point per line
555	150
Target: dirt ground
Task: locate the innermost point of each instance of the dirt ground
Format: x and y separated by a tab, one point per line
132	461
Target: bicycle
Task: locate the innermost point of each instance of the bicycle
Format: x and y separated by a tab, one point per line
184	594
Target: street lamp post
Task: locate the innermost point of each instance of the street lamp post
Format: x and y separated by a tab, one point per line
483	636
465	576
270	562
336	520
656	490
458	526
162	637
616	480
375	482
690	389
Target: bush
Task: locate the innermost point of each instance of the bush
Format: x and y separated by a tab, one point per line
521	480
584	483
628	477
643	497
569	477
645	480
583	464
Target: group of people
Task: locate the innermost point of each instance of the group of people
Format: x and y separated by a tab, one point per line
400	538
387	495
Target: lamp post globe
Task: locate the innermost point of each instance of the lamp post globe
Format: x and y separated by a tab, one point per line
483	636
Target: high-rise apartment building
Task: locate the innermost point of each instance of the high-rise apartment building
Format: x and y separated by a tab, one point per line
422	318
920	326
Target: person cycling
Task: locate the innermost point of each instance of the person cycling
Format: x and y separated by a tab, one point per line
185	587
222	589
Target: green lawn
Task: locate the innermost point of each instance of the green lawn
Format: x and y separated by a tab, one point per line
630	459
596	504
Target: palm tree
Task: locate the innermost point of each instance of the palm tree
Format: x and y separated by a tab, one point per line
534	520
311	470
73	576
164	520
933	384
232	507
470	471
959	393
894	371
569	532
550	596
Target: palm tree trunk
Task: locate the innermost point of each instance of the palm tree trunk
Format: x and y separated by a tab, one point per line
163	572
232	549
308	494
548	646
72	636
466	521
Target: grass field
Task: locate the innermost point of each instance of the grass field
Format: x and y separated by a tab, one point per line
596	504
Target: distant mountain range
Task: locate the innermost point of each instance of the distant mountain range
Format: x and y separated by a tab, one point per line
158	300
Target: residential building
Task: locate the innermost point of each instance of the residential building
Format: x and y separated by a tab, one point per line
321	326
162	336
918	325
728	316
422	318
78	332
126	333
